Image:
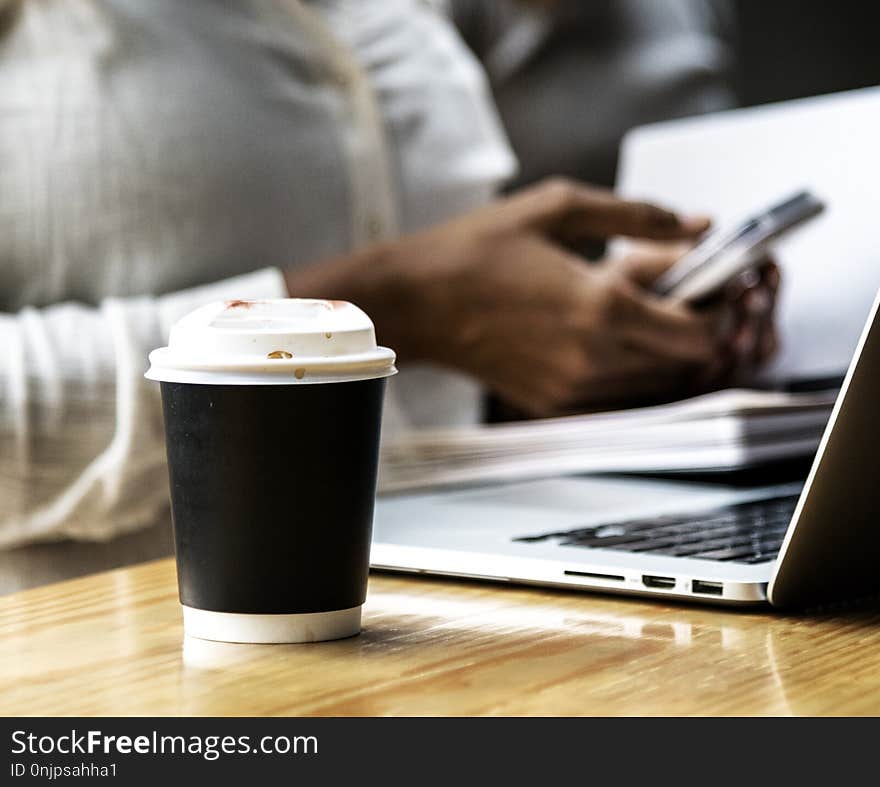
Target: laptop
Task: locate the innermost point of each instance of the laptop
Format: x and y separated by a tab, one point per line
793	544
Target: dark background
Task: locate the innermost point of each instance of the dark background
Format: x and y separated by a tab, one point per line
795	48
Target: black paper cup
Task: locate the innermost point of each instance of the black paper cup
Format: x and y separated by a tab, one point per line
272	467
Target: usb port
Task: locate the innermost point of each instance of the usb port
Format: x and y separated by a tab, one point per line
709	588
657	582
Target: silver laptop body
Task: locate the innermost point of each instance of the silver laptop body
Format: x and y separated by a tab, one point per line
791	545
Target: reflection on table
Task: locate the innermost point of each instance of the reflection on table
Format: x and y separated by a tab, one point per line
434	647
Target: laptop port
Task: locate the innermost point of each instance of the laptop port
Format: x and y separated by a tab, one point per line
657	582
709	588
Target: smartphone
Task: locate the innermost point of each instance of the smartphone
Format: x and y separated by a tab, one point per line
724	254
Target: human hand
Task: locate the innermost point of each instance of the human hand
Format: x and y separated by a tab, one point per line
500	294
747	308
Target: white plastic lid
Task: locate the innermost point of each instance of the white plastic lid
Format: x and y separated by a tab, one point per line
272	342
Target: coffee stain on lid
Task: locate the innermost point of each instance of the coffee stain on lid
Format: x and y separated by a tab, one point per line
239	304
276	354
299	373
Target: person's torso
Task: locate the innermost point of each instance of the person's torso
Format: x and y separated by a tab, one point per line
150	146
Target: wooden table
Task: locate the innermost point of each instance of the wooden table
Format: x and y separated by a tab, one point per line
112	644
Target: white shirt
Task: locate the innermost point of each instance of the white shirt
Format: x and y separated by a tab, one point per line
158	154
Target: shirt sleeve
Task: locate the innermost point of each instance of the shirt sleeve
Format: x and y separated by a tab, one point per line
82	450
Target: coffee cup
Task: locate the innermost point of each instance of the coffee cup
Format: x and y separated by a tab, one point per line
272	415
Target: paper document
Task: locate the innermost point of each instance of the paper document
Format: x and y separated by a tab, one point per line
727	430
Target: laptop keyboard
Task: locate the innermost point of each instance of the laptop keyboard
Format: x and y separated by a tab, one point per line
749	532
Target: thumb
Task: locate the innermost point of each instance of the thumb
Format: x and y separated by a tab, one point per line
645	266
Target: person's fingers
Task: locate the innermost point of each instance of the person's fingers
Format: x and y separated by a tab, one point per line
757	307
649	263
751	297
736	290
669	328
765	273
771	275
769	341
742	319
769	344
745	342
573	212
